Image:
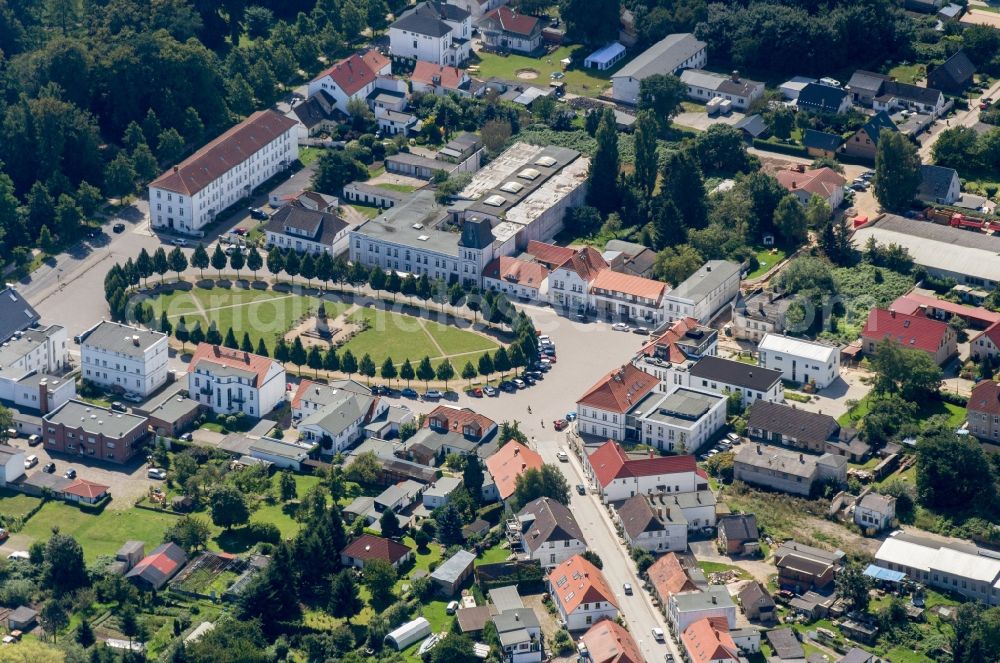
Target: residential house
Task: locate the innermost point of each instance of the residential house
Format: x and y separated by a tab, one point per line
864	86
800	361
351	79
520	635
520	279
439	493
655	529
333	417
372	196
430	447
399	497
32	364
229	381
738	534
727	376
79	428
462	421
432	31
548	532
304	230
193	193
824	182
954	75
629	257
433	78
759	313
939	185
707	85
707	640
757	604
172	416
904	96
508	463
684	343
158	567
875	512
938	339
626	297
316	115
802	568
569	281
479	8
21	619
581	593
864	142
667	56
16	314
505	29
472	621
791	426
123	358
11	464
85	492
786	470
607	641
820	98
668	577
367	547
856	654
453	572
703	294
685	609
983	411
926	303
791	88
392	123
618	476
753	127
684	419
602	410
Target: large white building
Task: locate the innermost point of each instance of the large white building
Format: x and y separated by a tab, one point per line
727	376
193	193
707	85
30	361
353	78
628	297
688	607
617	476
800	361
960	568
229	381
667	56
679	421
433	31
602	410
124	358
705	292
334	416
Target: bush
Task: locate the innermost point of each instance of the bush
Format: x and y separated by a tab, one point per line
263	533
562	643
781	148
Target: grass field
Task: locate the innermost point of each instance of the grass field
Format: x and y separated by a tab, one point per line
585	82
956	413
369	211
767	258
402	188
15	505
908	73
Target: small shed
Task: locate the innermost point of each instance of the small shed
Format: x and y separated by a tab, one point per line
450	575
22	619
130	554
408	633
605	57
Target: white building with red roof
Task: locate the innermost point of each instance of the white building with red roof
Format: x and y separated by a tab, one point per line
505	466
983	411
582	594
625	296
190	195
229	381
608	641
824	182
569	282
619	476
508	30
601	410
517	278
433	78
685	342
353	77
915	332
708	641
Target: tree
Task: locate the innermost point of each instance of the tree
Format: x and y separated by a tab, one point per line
237	261
254	261
177	261
286	486
199	259
456	648
486	367
953	472
589	22
46	241
380	578
64	568
144	162
469	372
602	180
897	171
780	121
449	524
388	370
258	21
119	177
262	348
297	355
545	482
406	372
646	161
661	94
790	221
68	217
84	634
511	430
213	336
229	507
189	532
292	263
852	586
367	368
335	169
230	340
684	185
472	476
425	371
144	266
197	334
314	359
675	264
377	280
348	363
668	224
445	372
389	523
275	261
307	268
54	617
593	558
909	372
246	344
160	263
345	602
495	134
219	260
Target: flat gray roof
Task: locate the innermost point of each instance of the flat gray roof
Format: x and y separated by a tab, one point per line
663	57
701	600
518	179
94	419
174	408
452	568
681	407
506	598
396	225
278	448
123	339
709	276
14	349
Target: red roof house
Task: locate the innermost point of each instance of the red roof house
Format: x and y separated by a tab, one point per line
510	462
85	491
463	421
521	278
601	410
824	182
708	641
619	476
549	255
159	566
983	409
352	74
438	79
609	642
916	332
368	547
507	29
669	577
581	592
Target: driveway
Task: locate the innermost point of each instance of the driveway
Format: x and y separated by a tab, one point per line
701	121
705	551
833	400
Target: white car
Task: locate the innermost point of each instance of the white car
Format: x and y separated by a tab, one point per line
620	326
544	339
658	634
562	456
30	461
451	608
156	473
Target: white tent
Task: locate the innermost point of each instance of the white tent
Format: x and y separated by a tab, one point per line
408	633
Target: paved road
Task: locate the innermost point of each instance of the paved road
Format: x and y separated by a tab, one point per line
960	119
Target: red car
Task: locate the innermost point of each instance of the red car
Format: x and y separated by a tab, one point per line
560	424
240	231
476	391
3	535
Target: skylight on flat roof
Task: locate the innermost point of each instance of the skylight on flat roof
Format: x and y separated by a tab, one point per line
495	201
545	161
529	173
511	187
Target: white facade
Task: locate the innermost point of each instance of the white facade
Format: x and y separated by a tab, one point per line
668	427
601	423
413	40
568	289
775	393
552	553
117	356
800	361
11	464
704	86
327	81
705	292
587	614
26	361
875	512
230	391
670	482
685	609
668	56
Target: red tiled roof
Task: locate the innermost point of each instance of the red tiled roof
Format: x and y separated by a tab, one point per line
911	331
369	546
985	398
512	270
586	262
610	462
217	354
224	153
708	641
511	21
304	386
456	419
577	581
912	303
353	73
821	182
507	464
619	390
669	577
609	642
669	341
448	78
550	254
608	279
992	332
86	489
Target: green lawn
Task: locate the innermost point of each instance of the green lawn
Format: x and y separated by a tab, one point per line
494	555
308	155
956	413
766	258
15	505
369	211
719	567
402	188
908	73
585	82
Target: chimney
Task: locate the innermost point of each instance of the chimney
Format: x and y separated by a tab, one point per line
176	169
714	600
651	454
135	341
735	76
802	458
892	312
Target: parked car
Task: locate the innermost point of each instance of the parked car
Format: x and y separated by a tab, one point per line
118	406
258	214
179	241
434	394
381	390
408	392
549	351
562	456
627	587
30	461
451	608
859	186
239	231
537	375
560	424
187	437
620	326
658	634
571	416
544	339
156	473
118	228
490	390
132	398
581	489
70	474
4	535
544	365
733	437
641	330
528	379
519	383
49	468
508	386
34	440
549	360
476	392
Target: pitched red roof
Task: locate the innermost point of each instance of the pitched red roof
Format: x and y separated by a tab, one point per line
353	73
992	332
609	642
619	390
222	356
610	462
638	286
821	182
369	546
86	489
669	577
224	153
456	419
429	73
510	462
911	331
511	21
666	346
985	397
513	270
577	581
549	254
914	302
707	640
586	262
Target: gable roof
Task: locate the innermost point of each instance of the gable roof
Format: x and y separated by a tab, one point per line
159	566
429	73
935	181
609	642
577	581
429	18
802	425
867	81
610	462
816	96
663	57
923	95
739	527
224	153
707	640
513	270
985	397
911	331
735	373
513	22
369	546
956	72
586	262
821	140
219	356
821	181
877	124
510	462
785	643
666	346
353	73
544	520
637	517
456	419
753	125
619	390
319	107
549	254
637	286
16	314
321	227
668	576
753	593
